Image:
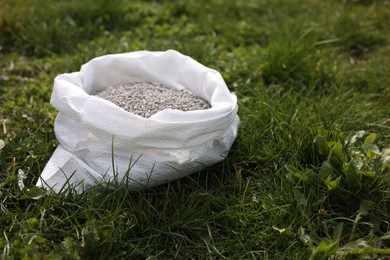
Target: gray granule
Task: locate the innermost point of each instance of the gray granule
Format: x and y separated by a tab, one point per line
147	98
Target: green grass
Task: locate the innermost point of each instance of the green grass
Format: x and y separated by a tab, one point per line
309	76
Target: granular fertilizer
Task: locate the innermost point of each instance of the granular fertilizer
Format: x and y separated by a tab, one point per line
147	98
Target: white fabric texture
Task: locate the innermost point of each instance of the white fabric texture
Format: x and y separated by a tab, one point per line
94	134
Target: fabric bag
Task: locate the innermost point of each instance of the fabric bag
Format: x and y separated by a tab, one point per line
99	141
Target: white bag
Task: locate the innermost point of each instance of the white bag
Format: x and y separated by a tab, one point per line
94	134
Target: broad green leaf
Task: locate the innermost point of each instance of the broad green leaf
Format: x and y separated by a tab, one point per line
336	149
35	193
386	151
370	139
332	184
366	206
301	176
326	170
357	244
32	193
386	155
368	173
23	197
372	154
324	250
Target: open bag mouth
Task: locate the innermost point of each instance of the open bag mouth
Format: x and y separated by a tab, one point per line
88	127
148	98
170	68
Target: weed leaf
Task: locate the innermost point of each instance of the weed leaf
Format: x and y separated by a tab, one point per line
332	184
324	250
369	139
32	193
326	170
366	206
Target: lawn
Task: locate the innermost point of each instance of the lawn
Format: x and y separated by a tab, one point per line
307	177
